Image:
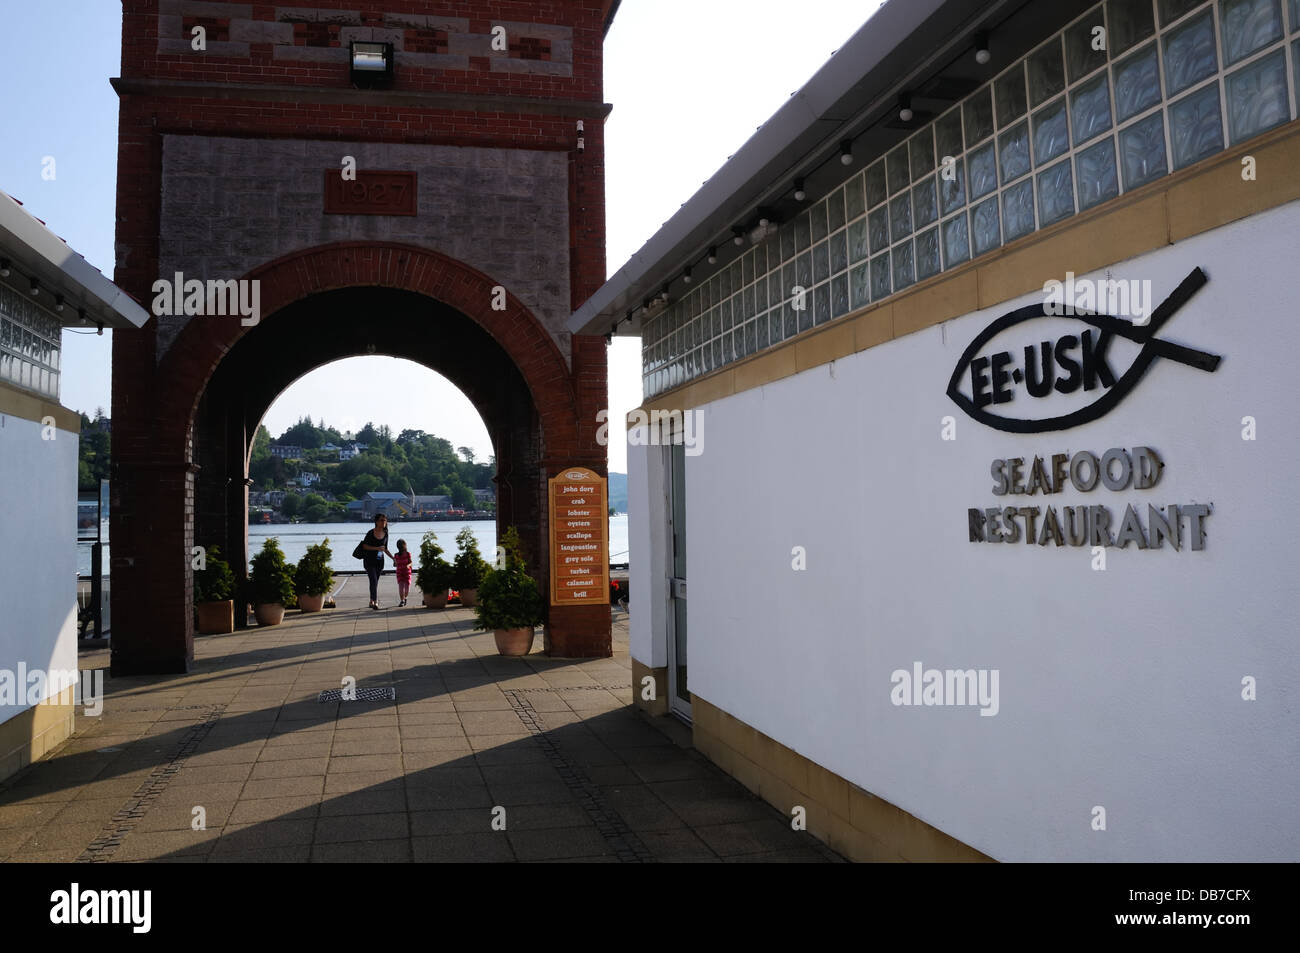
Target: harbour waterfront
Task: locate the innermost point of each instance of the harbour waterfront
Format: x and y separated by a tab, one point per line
296	537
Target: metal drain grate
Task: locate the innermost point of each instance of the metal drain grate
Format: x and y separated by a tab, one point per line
362	695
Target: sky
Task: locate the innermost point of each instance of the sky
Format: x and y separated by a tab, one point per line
690	81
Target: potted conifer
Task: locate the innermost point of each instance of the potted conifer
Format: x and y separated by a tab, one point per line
469	567
313	577
510	603
214	589
435	573
270	584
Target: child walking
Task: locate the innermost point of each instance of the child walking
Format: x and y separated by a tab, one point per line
402	566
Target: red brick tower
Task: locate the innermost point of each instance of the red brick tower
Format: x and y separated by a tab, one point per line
473	227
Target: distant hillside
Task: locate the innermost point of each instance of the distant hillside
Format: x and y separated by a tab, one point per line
618	492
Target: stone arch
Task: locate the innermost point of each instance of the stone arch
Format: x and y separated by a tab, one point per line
190	362
161	494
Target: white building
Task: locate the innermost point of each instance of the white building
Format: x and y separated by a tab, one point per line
44	287
1035	618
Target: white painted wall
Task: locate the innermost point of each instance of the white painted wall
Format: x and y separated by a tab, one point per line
1119	688
38	558
647	552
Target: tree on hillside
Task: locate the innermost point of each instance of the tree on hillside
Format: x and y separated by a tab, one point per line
302	434
467	453
365	483
93	453
292	504
314	508
261	444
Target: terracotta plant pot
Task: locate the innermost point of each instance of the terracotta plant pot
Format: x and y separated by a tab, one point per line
436	600
469	597
216	618
311	603
271	613
513	641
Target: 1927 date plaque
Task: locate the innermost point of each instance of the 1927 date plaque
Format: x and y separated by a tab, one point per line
370	193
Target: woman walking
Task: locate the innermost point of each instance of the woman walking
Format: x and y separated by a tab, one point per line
376	545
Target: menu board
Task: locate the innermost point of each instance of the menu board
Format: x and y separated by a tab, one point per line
579	537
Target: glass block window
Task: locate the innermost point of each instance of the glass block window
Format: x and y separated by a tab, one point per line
1248	26
1018	210
1189	53
1196	130
1137	83
1129	22
1062	131
1090	109
1013	152
30	345
1257	97
1142	151
1046	72
1097	174
1051	137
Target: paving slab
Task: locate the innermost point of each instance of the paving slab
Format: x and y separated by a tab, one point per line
478	758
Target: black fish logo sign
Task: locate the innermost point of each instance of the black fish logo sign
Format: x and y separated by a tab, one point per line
989	378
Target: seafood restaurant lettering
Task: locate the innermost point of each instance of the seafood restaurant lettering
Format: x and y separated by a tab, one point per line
1143	523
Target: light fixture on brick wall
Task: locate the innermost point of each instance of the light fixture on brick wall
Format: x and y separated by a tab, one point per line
713	254
4	267
799	193
982	47
738	235
846	152
58	303
686	274
371	64
36	287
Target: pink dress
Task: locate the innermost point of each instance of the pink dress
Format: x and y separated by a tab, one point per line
402	566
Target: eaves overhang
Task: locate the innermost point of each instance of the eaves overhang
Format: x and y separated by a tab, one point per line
924	47
33	252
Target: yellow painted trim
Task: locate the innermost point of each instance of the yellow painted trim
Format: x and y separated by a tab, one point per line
28	406
641	670
1189	202
31	734
848	819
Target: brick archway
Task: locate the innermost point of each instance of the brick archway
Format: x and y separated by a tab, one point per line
202	421
201	345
